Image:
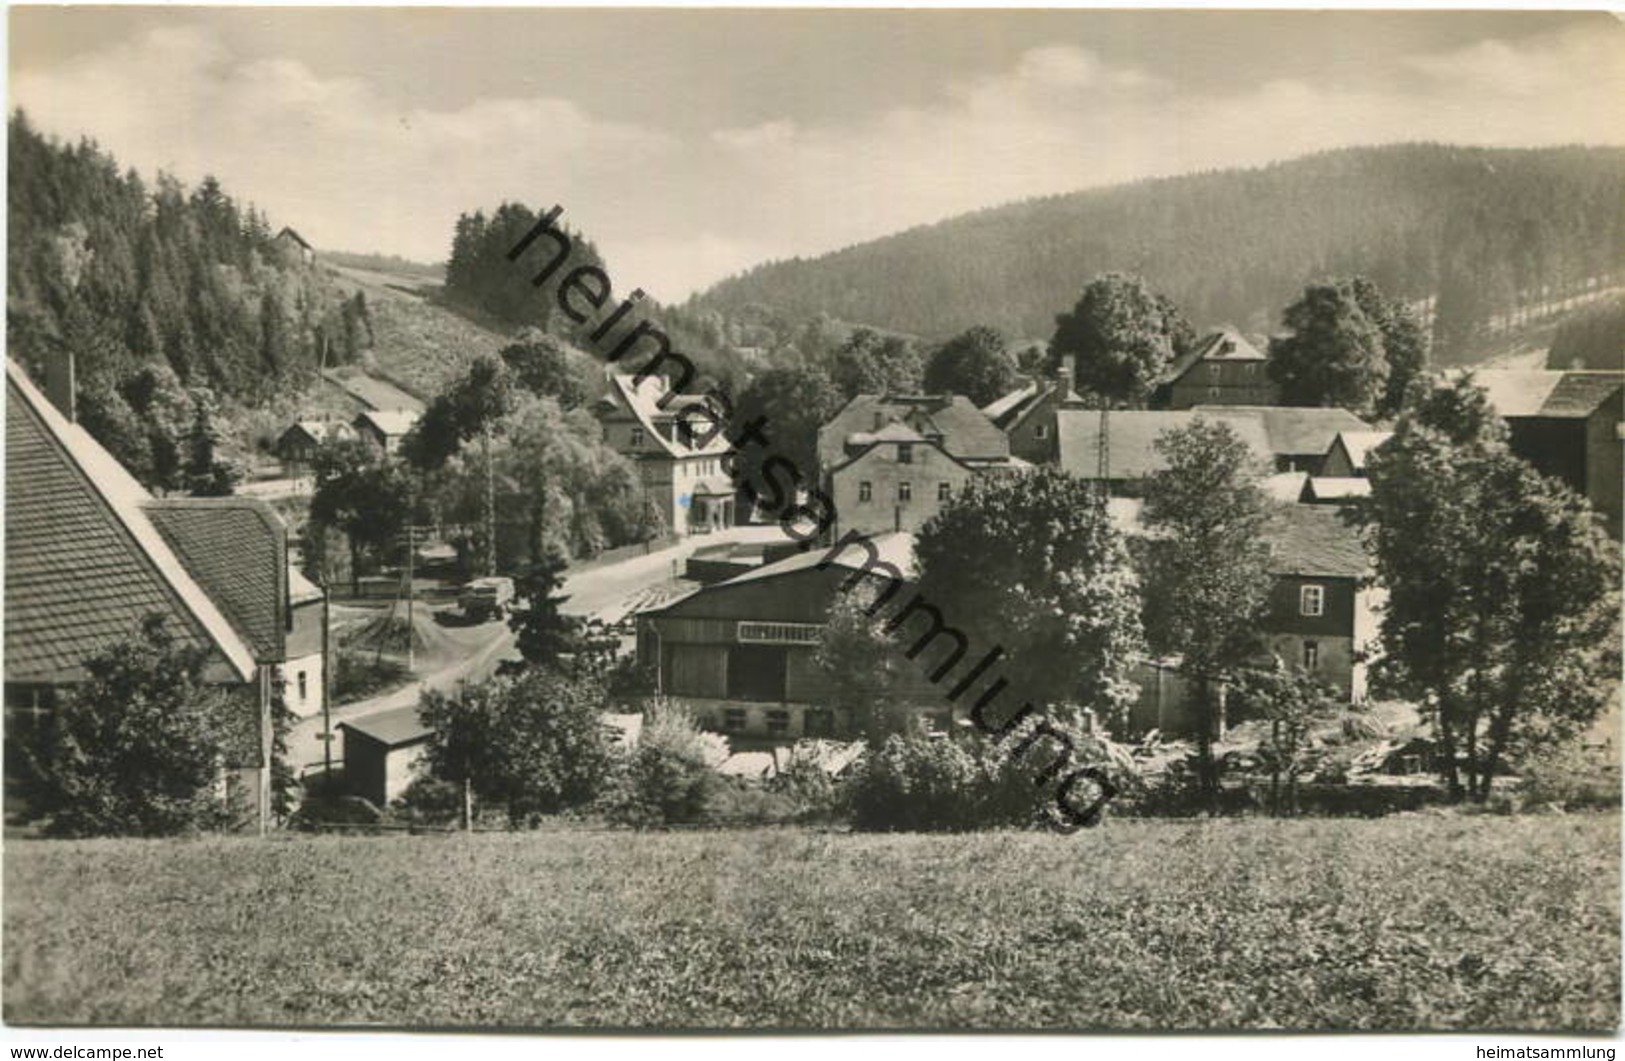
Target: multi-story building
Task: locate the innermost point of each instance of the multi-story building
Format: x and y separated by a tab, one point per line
1222	369
890	462
678	444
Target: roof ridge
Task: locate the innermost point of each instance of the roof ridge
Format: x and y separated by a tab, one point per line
82	450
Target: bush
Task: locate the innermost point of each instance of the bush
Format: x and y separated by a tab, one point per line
916	782
1570	776
137	748
429	801
322	810
668	777
813	796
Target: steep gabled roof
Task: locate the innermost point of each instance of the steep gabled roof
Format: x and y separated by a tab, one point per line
1314	541
84	562
236	549
642	400
1359	444
1295	431
1223	344
966	431
1133	433
296	237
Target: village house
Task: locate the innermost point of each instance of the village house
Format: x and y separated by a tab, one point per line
90	554
296	447
1222	369
1130	453
1321	617
676	442
741	653
385	428
1299	436
890	462
1569	425
1027	415
293	245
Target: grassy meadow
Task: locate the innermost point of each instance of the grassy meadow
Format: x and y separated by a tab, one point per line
1412	922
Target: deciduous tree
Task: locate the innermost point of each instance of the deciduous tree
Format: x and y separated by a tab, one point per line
871	363
1122	336
1205	563
974	363
138	747
1502	613
1032	565
1334	355
534	744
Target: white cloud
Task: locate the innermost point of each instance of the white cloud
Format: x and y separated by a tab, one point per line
349	168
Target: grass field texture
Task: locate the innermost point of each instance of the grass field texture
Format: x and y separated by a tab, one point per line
1417	922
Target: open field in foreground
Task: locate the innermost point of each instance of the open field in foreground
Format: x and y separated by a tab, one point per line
1410	922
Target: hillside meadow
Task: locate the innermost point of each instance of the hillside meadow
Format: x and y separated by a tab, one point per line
1411	922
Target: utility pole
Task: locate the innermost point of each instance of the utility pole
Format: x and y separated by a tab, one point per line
490	506
327	675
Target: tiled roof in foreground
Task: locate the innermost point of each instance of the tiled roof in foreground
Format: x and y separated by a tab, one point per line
84	564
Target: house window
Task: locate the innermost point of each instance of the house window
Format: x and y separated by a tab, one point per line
1041	431
866	492
778	722
303	692
1249	370
637	438
1213	392
1215	372
1311	655
1312	601
733	719
905	453
905	493
944	491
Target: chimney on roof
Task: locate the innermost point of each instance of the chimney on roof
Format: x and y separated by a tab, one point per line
880	419
1063	375
62	385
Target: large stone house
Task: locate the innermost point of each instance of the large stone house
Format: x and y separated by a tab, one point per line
890	462
90	554
1222	369
1569	425
679	446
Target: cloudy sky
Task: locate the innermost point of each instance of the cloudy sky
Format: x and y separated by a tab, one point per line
693	144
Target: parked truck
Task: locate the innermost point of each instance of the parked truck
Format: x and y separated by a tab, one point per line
484	598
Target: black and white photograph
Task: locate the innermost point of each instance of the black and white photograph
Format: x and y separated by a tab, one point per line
653	521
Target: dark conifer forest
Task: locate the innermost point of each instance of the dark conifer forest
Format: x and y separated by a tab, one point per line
1487	233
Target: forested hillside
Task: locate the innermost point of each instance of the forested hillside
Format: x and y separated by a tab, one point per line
482	282
178	304
1486	232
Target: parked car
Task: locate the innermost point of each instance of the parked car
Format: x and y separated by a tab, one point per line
486	597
